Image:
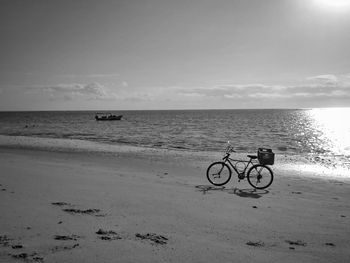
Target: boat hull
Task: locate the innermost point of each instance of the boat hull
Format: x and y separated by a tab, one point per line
109	118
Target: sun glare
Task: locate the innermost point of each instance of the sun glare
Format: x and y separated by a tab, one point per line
333	5
334	127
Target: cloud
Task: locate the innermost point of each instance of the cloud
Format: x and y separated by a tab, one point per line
328	78
136	96
260	95
232	96
235	91
92	89
339	89
193	94
315	90
70	91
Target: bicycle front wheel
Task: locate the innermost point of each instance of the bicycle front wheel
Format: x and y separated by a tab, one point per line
260	176
219	173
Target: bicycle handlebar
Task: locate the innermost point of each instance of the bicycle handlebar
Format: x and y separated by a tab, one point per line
229	149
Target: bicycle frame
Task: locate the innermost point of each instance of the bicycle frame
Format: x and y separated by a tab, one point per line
227	159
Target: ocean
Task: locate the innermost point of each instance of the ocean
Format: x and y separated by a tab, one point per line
287	131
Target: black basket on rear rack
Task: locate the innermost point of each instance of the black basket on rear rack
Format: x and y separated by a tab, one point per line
266	156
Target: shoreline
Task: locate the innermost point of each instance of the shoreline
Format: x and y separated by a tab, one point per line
133	206
316	166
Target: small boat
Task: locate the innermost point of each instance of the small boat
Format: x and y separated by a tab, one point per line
107	117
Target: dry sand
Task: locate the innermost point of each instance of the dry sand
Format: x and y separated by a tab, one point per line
138	205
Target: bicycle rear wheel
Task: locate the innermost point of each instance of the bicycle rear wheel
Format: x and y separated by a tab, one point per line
219	173
260	176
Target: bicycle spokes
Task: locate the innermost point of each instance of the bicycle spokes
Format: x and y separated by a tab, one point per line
218	173
260	176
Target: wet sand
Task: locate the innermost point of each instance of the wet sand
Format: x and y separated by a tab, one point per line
157	206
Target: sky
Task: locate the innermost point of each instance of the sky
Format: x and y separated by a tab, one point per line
174	54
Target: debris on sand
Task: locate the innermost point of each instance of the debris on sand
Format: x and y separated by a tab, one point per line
21	256
108	234
296	243
32	257
105	232
5	240
38	259
16	246
60	203
71	237
255	243
61	248
81	211
330	244
156	239
72	210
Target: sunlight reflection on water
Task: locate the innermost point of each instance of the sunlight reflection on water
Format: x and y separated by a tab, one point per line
334	128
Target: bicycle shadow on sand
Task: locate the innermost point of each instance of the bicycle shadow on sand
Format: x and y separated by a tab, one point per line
246	193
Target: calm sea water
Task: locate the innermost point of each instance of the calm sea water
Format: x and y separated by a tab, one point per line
302	131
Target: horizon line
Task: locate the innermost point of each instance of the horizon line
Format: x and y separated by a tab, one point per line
186	109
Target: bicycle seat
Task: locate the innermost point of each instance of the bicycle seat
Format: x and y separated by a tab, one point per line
252	156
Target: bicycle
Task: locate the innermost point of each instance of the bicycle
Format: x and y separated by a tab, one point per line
259	175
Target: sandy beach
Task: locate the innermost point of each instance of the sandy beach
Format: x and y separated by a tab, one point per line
76	204
111	113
